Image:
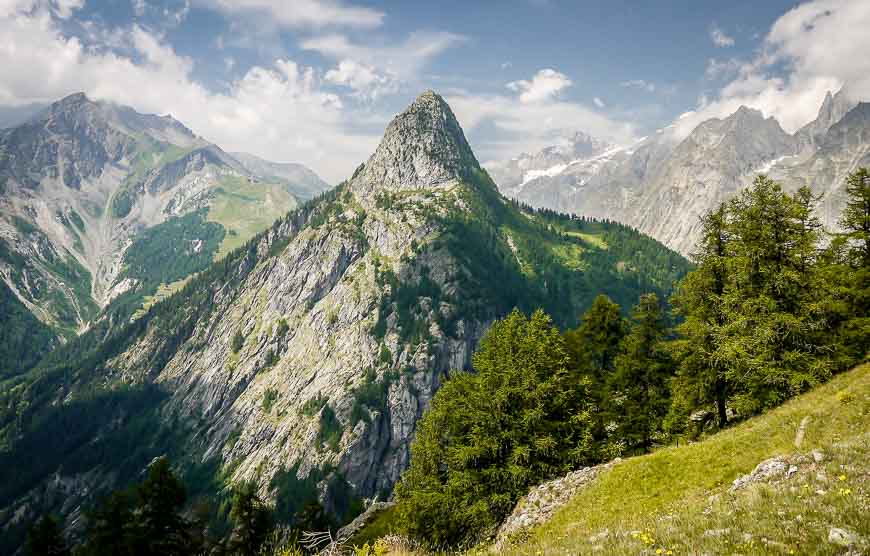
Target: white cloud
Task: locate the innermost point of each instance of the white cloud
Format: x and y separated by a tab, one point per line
303	13
719	37
527	126
821	45
365	81
543	86
506	65
598	102
718	69
62	8
176	17
403	60
139	7
642	84
280	112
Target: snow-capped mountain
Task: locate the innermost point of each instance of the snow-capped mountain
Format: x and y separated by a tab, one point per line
548	162
663	184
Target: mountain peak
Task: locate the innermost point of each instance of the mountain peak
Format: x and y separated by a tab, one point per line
747	112
424	146
75	98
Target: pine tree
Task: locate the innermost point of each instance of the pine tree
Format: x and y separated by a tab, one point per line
45	539
160	527
774	339
702	375
110	526
856	217
252	520
849	270
639	383
237	342
594	345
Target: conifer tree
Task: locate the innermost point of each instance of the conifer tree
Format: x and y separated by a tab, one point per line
850	269
856	217
161	529
594	345
702	375
639	383
45	539
519	420
252	519
110	526
774	338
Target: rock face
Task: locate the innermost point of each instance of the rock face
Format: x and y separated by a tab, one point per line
662	184
80	181
422	148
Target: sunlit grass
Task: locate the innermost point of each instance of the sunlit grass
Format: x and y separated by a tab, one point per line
662	501
246	208
591	239
163	291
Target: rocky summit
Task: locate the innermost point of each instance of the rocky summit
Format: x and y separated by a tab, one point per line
422	148
303	360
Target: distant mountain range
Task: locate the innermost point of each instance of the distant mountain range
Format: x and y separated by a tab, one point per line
84	183
662	184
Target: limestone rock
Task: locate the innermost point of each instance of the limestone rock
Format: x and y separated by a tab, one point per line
842	537
764	472
543	501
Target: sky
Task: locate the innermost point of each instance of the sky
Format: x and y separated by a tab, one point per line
317	81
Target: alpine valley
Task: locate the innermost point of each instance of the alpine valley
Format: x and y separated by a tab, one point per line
104	210
664	183
299	357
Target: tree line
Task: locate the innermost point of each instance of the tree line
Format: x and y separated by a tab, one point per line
774	307
155	518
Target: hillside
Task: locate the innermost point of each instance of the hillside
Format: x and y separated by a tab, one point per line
85	185
303	360
682	499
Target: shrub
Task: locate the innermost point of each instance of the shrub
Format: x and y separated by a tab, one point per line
237	342
330	431
269	397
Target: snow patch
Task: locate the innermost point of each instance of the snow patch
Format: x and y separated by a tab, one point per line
592	164
549	172
767	166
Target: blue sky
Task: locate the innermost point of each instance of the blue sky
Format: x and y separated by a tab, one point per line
316	81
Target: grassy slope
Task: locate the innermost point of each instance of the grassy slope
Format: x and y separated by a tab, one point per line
666	501
664	497
246	208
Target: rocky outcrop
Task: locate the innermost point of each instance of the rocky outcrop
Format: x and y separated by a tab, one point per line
423	147
363	519
544	500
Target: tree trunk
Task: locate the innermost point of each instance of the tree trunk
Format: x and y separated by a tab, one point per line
720	404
